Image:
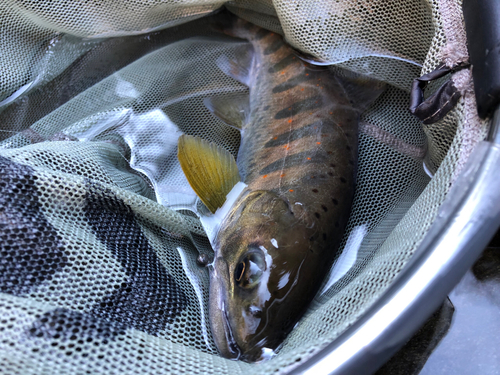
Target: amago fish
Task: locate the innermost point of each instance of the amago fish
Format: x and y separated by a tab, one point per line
298	158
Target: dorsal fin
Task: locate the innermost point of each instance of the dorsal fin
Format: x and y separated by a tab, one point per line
210	170
233	110
240	67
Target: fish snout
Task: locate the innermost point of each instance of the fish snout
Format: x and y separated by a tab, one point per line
223	334
219	320
231	349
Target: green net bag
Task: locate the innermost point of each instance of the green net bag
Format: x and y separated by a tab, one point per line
98	268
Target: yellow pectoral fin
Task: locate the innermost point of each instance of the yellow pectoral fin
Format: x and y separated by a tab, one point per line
210	170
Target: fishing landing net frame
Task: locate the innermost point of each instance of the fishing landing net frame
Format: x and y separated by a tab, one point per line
98	273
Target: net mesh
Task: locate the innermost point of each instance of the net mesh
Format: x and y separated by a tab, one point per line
98	247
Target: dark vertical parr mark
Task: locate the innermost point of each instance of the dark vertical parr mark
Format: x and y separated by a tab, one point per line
274	47
291	83
291	161
293	135
262	33
300	106
290	59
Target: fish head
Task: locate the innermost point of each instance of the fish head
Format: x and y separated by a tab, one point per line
259	254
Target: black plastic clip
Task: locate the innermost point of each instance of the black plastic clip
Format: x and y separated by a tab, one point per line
436	106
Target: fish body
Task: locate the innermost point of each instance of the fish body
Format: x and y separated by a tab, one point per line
298	157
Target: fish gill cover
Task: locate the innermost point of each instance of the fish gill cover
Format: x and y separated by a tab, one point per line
99	240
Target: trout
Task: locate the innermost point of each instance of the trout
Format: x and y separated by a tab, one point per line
298	159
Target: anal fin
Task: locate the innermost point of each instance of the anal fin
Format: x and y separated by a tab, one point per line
210	170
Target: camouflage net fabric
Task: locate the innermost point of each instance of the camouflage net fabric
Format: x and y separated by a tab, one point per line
98	245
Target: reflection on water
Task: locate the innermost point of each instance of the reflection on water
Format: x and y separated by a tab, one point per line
348	257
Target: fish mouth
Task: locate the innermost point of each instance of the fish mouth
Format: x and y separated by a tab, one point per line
232	346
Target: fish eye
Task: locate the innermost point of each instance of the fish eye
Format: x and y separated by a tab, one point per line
250	269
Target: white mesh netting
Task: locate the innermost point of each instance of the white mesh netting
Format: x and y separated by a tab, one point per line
98	271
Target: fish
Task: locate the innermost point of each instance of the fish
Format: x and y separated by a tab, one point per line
297	159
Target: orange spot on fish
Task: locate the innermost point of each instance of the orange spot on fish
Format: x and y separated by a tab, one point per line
301	89
286	147
283	175
290	108
291	190
308	158
283	72
317	85
264	176
307	74
318	143
293	58
331	113
275	138
289	121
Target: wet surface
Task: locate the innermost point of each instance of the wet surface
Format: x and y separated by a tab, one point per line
470	344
